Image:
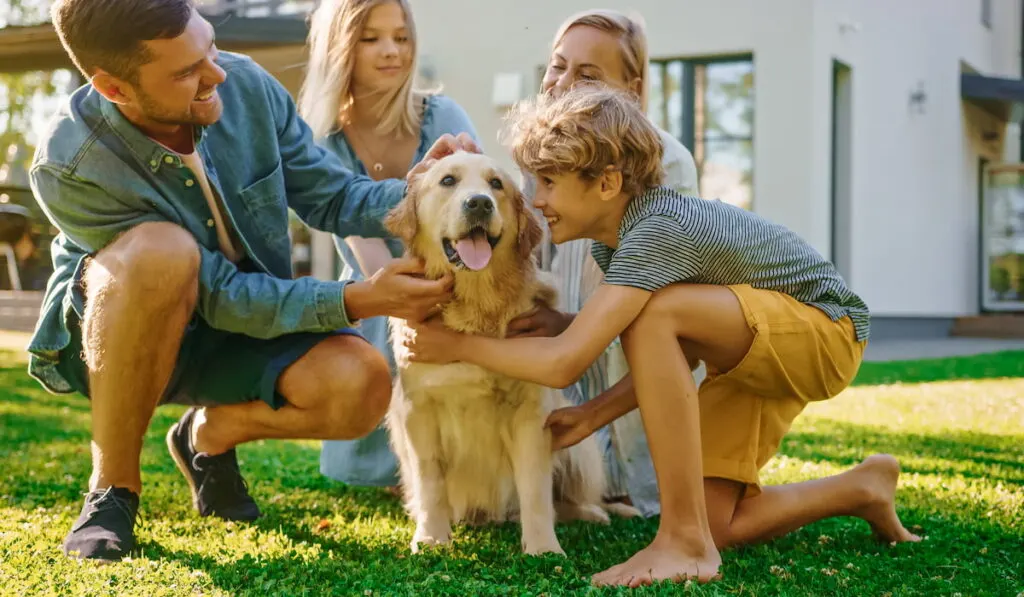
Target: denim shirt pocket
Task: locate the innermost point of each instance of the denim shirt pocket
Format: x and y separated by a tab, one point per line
266	202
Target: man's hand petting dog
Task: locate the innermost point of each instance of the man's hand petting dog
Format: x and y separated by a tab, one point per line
431	342
542	321
445	145
398	290
569	426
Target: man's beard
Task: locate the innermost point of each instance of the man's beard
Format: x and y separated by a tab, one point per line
161	115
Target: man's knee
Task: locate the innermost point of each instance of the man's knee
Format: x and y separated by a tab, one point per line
356	388
158	259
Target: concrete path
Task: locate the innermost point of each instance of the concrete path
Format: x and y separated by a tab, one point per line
932	348
878	350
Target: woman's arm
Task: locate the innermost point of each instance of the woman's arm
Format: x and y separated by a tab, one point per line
554	362
371	254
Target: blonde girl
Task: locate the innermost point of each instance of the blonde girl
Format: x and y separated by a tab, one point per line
362	102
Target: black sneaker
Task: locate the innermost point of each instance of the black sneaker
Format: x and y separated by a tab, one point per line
105	530
218	488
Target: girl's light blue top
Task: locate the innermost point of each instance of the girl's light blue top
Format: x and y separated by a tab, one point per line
369	460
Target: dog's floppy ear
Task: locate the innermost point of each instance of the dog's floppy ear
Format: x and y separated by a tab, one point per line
530	232
403	221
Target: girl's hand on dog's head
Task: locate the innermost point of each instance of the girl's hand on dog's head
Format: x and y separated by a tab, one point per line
446	145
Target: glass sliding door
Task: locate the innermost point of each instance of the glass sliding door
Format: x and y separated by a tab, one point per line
1002	238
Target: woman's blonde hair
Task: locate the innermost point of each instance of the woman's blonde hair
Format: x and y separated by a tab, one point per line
584	131
325	99
632	34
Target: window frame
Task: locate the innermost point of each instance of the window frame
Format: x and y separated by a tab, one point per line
687	126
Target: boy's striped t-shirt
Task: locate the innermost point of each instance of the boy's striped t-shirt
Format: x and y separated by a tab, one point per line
667	238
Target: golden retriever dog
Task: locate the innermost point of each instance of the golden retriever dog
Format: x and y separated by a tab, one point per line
471	444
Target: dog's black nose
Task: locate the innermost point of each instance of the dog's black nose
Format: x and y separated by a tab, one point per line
478	206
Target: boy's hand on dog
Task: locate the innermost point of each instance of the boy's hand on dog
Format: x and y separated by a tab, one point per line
542	321
398	290
431	342
569	426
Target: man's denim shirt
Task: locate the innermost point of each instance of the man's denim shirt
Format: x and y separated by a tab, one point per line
96	176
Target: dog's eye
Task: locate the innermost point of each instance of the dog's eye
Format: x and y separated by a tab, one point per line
496	184
448	181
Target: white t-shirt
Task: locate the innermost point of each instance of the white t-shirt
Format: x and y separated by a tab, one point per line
227	239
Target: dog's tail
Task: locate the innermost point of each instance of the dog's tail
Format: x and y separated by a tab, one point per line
580	482
580	485
582	479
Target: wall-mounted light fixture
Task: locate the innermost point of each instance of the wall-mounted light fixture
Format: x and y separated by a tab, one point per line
846	25
918	98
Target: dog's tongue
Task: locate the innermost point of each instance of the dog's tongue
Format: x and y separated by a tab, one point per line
474	250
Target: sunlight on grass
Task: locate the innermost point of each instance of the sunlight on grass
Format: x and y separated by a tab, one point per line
995	406
961	445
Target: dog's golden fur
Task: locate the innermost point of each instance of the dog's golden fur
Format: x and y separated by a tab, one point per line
471	444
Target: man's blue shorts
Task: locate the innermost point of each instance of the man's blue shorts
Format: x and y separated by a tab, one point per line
214	367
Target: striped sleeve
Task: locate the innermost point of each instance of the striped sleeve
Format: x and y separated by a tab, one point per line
654	253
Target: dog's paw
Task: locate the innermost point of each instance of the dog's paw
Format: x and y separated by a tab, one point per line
537	541
586	512
621	510
421	542
543	548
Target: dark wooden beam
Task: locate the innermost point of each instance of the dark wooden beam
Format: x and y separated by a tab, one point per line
999	96
260	32
37	47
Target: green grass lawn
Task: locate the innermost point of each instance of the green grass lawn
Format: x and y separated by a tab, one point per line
960	440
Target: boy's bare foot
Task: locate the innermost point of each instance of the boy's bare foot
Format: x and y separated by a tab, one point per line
662	560
879	474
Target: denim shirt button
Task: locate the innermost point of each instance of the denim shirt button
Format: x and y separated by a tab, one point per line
153	163
168	159
189	182
209	223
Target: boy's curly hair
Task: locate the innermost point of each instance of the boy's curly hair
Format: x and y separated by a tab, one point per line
587	129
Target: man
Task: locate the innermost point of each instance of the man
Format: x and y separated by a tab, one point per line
170	176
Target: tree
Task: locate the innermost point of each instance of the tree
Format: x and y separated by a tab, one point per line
23	12
27	99
23	96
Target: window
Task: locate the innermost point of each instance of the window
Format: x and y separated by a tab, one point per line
257	8
708	105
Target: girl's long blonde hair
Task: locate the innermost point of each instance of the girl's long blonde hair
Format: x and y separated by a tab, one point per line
326	99
632	34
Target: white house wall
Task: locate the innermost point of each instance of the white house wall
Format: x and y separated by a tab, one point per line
914	206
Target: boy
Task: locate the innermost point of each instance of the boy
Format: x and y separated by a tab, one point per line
686	279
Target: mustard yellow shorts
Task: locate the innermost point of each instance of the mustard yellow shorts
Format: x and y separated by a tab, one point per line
798	355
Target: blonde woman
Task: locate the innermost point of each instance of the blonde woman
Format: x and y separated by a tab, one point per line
610	48
360	99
